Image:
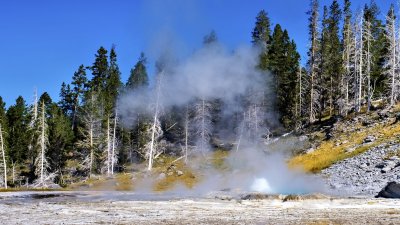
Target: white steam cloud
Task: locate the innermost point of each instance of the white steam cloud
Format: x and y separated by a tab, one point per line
210	73
229	76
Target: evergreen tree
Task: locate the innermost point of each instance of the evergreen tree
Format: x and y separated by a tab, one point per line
284	63
79	86
99	71
135	137
313	60
262	31
112	83
138	77
60	138
377	49
66	99
18	138
323	74
333	65
210	38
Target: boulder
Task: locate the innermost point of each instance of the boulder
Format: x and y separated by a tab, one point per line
369	139
392	190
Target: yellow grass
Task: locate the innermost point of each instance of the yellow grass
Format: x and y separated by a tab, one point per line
328	153
218	159
188	179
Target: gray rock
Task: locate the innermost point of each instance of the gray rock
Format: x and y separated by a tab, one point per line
179	173
310	150
369	139
391	190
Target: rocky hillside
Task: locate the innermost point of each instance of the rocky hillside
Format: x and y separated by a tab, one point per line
357	155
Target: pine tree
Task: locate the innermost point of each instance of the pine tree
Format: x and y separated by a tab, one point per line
135	136
79	87
210	38
323	73
138	77
334	59
112	83
60	138
66	99
262	31
99	71
18	137
261	36
377	51
313	61
283	59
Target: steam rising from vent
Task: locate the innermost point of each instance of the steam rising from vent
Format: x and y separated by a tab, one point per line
210	73
214	80
261	185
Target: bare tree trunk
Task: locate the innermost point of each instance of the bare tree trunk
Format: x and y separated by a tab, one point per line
360	51
313	58
300	96
155	120
74	117
91	149
203	127
42	144
186	132
108	147
368	37
113	143
13	172
4	157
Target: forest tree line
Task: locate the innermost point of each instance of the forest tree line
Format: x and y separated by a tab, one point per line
352	60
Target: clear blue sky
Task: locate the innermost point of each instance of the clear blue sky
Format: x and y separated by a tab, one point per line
43	42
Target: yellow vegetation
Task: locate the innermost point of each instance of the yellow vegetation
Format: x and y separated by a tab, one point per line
169	166
329	152
218	159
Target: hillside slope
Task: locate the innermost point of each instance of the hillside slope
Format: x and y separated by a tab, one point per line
357	155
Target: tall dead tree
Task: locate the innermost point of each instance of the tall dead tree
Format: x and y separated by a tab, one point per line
114	143
91	132
348	59
313	59
202	124
3	154
359	59
41	162
368	39
186	149
392	59
155	129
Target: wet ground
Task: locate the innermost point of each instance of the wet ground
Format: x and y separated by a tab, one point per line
133	208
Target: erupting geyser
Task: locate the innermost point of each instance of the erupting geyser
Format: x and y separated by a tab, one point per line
261	185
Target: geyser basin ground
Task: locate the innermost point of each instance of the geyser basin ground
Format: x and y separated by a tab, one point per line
132	208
